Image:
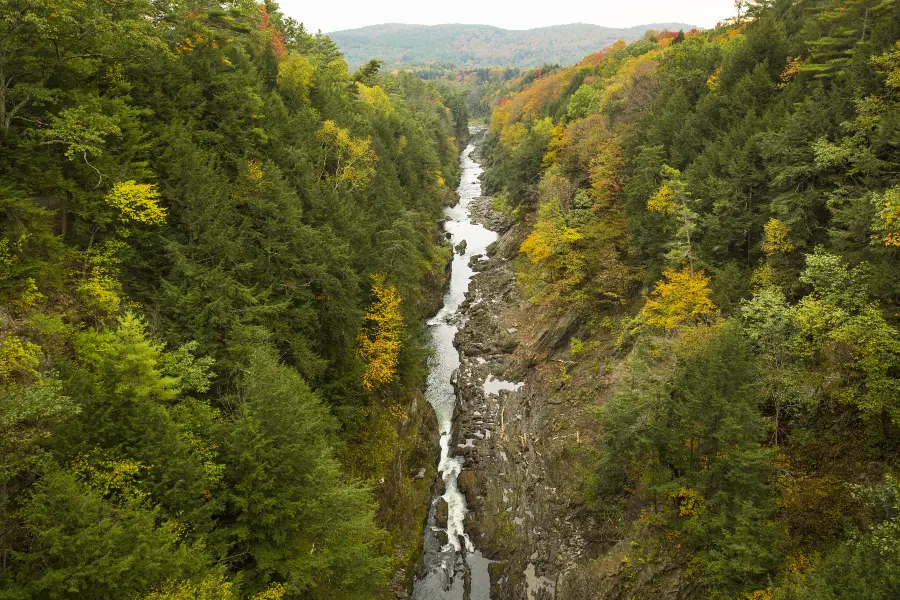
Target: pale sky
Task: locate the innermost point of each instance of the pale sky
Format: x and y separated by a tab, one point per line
334	15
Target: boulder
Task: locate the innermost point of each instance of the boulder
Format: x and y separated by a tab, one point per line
441	513
441	537
466	483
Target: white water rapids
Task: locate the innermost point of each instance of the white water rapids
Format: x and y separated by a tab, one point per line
448	566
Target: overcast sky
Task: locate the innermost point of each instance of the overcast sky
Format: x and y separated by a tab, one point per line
334	15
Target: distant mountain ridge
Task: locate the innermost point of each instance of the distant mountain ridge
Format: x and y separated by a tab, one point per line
398	44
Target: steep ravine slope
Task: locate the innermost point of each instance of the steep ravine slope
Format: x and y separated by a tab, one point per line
523	426
520	479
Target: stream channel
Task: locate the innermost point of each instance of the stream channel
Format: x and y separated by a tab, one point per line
453	568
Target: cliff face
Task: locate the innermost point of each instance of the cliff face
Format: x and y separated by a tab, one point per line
521	479
523	426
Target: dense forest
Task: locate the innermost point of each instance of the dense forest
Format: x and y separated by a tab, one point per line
217	249
721	208
219	245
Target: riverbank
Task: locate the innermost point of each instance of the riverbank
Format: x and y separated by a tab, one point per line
519	436
452	568
507	521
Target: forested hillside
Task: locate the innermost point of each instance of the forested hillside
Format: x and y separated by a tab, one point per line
402	46
217	248
721	211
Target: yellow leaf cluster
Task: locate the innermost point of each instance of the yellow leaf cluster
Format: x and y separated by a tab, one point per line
214	587
254	171
776	238
99	286
111	476
606	172
115	74
690	502
190	43
790	71
137	202
354	159
511	137
682	299
548	239
889	63
663	201
888	218
557	141
10	253
18	360
296	74
537	247
379	344
273	592
99	291
375	98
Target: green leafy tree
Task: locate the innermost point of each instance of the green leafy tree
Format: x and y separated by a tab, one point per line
295	519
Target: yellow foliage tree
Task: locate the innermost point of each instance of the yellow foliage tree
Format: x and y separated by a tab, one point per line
683	299
511	137
296	74
213	587
663	201
375	98
255	171
673	200
111	476
99	288
557	141
19	360
689	501
889	63
275	591
606	172
354	159
887	222
776	238
137	202
379	343
551	237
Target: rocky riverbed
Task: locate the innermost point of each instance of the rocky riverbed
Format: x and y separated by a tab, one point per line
517	434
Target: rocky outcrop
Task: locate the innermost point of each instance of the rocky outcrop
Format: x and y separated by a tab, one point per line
521	476
441	513
466	483
482	212
404	490
526	441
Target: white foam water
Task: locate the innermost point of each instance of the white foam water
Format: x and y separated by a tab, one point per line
446	565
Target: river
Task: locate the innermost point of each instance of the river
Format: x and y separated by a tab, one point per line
453	569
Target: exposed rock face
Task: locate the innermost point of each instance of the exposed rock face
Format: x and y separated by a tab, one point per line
441	513
482	212
404	492
521	477
466	483
525	438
